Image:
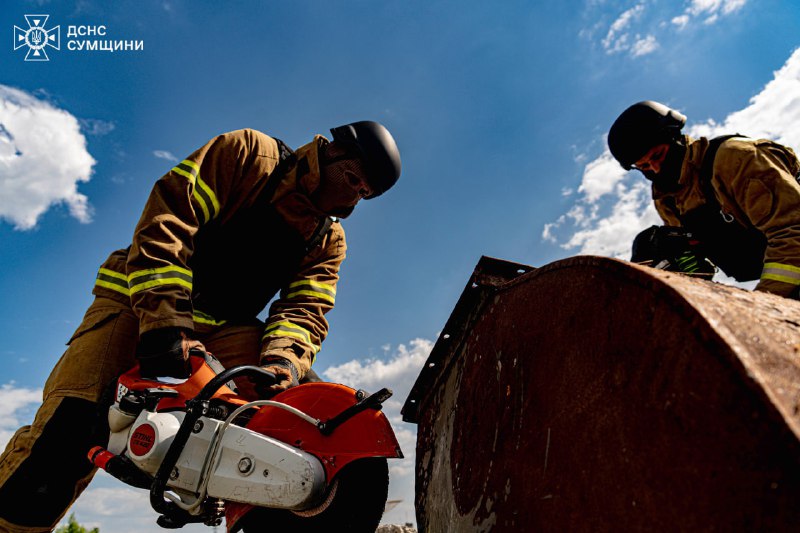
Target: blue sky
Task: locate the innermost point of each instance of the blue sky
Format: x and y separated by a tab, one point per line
499	109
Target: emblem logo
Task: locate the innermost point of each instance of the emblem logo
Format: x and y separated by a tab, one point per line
37	38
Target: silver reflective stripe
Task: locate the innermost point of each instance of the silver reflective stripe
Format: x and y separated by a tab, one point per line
781	272
313	289
112	280
138	280
287	329
187	168
161	276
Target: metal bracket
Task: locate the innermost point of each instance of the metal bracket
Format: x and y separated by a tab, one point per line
373	401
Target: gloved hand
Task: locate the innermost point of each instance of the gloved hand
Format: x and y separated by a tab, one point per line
671	248
165	352
286	373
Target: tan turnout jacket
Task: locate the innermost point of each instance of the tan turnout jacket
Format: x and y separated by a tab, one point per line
754	182
198	209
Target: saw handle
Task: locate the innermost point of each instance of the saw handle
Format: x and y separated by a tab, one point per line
256	373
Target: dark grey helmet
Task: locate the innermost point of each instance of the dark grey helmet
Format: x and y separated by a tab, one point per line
641	127
377	150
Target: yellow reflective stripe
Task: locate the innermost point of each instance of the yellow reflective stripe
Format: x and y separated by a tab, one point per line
160	270
112	280
313	294
201	192
152	277
313	289
287	329
782	266
195	167
784	279
780	272
143	279
159	282
202	318
188	170
294	335
203	186
316	284
179	170
202	203
286	326
113	274
112	286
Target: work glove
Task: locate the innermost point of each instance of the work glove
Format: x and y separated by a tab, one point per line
164	352
671	248
284	371
693	264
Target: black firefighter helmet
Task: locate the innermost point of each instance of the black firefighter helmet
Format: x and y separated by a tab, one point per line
376	148
641	127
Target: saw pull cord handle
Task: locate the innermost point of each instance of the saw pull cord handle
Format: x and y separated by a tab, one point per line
195	408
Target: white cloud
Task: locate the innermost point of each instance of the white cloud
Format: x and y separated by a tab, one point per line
621	38
612	235
681	21
114	507
708	10
613	205
43	157
644	46
93	126
622	23
548	233
405	363
113	501
774	113
16	409
163	154
600	177
637	30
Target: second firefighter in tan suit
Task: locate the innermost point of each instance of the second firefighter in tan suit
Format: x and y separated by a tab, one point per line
238	221
738	196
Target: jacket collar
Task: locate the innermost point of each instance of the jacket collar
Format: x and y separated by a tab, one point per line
690	169
292	198
690	194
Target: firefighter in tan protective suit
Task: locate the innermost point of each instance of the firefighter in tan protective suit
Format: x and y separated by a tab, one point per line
737	199
241	219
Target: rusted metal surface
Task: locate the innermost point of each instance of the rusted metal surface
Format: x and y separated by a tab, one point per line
489	275
596	395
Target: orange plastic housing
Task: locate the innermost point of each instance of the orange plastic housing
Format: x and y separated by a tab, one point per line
201	375
367	434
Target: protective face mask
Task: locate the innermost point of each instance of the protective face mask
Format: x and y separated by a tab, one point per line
335	195
669	175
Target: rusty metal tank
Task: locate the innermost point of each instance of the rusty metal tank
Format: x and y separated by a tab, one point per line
597	395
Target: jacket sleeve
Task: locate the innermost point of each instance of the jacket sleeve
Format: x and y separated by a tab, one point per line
764	186
296	325
195	192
